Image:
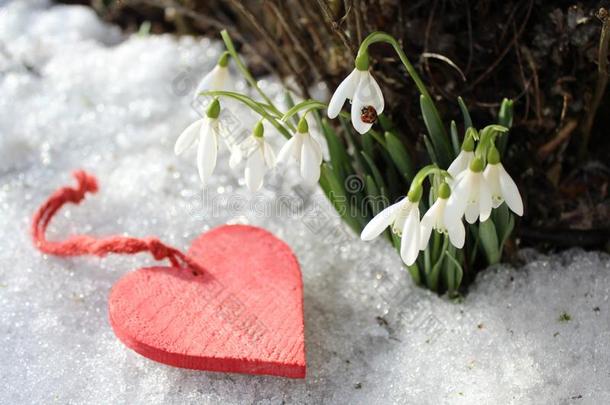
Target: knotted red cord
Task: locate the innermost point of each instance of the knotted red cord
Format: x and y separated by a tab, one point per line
77	245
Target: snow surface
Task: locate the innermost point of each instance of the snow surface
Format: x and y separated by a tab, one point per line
76	94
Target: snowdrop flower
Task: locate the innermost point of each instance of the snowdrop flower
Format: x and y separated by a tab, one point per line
363	91
435	219
501	185
206	131
463	159
260	158
307	152
471	195
218	78
403	217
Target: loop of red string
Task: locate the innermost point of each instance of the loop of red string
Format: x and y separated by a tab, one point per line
77	245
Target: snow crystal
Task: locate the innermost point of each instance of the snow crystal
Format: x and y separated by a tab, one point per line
77	94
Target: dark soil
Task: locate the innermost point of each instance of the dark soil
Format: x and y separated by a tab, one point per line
541	53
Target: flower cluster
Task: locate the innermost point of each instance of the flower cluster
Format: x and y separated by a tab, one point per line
257	153
474	183
471	188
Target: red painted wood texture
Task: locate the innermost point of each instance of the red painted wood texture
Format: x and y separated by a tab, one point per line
244	315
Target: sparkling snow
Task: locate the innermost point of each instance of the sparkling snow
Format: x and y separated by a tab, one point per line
76	93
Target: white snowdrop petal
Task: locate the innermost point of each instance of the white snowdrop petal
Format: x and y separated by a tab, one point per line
510	192
287	150
425	230
409	246
206	153
255	170
369	93
223	81
456	204
485	203
236	157
471	213
427	223
310	165
381	221
345	91
492	178
317	148
460	163
187	137
356	111
206	83
269	155
457	234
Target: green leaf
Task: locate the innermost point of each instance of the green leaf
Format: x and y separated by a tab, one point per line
432	275
349	131
375	172
375	201
386	123
455	140
430	149
367	143
453	272
504	222
373	192
400	156
338	155
415	273
465	113
334	191
505	118
489	241
436	131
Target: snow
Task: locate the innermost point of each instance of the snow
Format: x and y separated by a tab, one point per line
76	93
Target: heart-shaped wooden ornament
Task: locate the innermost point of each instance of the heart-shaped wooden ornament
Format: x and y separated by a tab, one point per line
244	315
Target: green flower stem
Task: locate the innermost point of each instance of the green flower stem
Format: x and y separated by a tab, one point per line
254	106
307	105
487	140
425	172
244	70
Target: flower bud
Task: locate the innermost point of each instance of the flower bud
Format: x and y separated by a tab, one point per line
362	61
444	191
415	193
476	165
303	127
259	130
213	109
468	144
493	156
223	61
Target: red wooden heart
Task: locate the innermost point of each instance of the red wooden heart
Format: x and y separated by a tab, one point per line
245	315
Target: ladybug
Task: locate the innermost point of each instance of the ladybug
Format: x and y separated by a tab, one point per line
368	114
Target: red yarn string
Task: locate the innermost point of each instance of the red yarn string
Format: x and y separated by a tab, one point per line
78	245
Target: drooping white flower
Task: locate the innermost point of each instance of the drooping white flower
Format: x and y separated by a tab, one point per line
219	78
206	131
361	88
470	196
260	158
403	217
435	218
463	159
306	151
501	185
460	163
